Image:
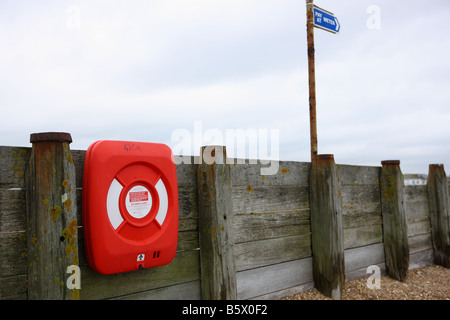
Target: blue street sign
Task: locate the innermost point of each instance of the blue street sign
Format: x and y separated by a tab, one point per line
325	20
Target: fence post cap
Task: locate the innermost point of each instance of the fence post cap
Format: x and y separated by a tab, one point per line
50	137
325	156
390	162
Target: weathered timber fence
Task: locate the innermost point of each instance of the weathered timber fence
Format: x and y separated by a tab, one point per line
253	242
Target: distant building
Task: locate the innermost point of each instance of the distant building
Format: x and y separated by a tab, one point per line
415	179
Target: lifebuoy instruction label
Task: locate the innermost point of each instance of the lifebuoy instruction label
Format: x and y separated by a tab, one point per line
138	202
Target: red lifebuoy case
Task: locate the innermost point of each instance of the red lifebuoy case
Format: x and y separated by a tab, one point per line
130	206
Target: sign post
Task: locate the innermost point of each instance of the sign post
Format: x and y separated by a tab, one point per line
312	77
327	242
319	18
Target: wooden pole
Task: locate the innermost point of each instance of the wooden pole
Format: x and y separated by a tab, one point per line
395	235
327	227
312	77
215	225
52	244
439	209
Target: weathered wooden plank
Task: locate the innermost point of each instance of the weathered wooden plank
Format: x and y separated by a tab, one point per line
187	240
420	243
249	255
78	157
419	226
188	224
416	193
395	232
187	174
289	173
362	236
363	257
183	291
13	288
13	254
259	199
421	259
13	163
361	205
353	218
283	293
261	281
79	194
416	210
216	226
327	227
187	202
358	175
268	225
361	198
52	243
183	268
439	209
362	273
12	210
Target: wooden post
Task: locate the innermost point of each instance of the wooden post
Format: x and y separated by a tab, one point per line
215	226
395	235
52	244
439	209
327	227
312	77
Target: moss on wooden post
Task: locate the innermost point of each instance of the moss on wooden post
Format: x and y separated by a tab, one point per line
327	227
438	204
52	244
215	225
395	235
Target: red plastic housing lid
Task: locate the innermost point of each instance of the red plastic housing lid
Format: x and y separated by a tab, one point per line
130	206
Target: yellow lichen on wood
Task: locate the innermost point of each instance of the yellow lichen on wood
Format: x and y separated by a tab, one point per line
55	212
69	157
68	204
69	234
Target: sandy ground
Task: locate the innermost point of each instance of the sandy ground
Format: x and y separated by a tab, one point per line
428	283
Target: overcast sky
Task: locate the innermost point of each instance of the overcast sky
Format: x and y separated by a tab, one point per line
141	70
